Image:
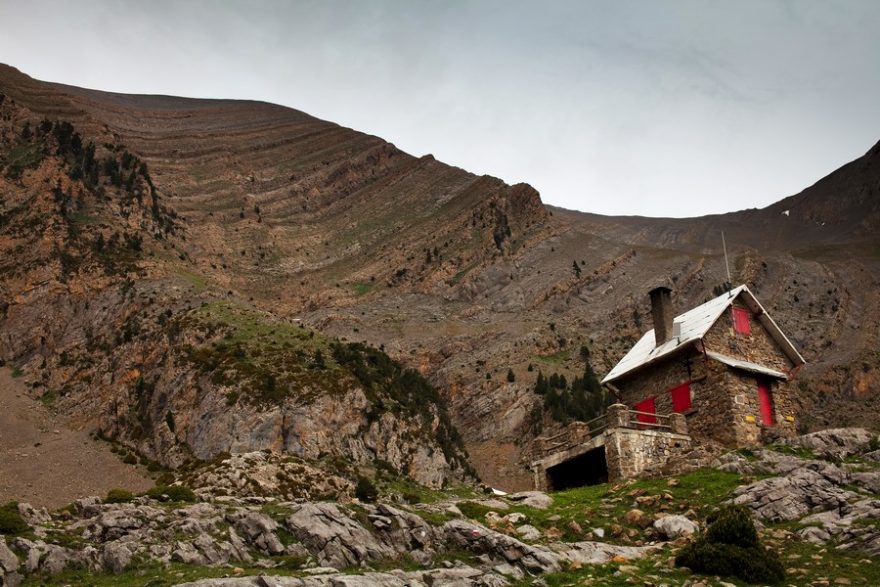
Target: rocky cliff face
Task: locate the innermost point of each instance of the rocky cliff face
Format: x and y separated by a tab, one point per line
458	276
103	315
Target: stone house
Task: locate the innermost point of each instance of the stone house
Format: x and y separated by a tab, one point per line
725	365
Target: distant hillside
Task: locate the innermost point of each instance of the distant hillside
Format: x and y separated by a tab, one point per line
302	222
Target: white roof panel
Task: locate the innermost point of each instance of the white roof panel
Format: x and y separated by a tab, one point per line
747	365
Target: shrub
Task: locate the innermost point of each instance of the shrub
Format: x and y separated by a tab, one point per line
730	548
171	493
511	377
129	459
119	496
732	525
365	490
874	443
11	521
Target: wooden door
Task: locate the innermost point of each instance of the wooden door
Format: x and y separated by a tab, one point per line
681	398
647	406
765	402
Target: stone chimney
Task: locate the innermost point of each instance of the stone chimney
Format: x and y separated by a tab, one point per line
661	312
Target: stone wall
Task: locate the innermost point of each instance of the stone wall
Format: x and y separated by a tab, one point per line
657	380
710	416
757	347
630	453
539	467
748	429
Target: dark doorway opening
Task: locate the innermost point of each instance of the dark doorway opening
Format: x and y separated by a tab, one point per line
589	468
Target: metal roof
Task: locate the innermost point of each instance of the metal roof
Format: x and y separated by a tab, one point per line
746	365
693	326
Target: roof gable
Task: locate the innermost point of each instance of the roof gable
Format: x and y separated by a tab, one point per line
694	324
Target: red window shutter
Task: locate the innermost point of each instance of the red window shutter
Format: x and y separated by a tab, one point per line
741	322
681	398
647	406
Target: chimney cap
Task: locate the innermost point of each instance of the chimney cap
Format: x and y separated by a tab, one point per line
660	288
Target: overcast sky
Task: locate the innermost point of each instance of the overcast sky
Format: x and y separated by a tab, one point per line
655	108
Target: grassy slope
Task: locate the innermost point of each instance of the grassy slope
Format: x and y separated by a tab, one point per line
600	506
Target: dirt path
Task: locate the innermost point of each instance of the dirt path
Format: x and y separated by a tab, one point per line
46	463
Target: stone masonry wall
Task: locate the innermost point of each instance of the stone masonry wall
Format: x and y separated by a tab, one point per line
757	347
711	415
658	379
747	412
630	453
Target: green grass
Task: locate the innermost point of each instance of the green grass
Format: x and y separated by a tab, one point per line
263	358
650	570
84	218
557	358
17	372
362	288
600	505
198	281
49	397
604	505
23	156
404	487
153	574
11	522
474	510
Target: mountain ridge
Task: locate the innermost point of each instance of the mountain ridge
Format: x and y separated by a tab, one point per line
463	277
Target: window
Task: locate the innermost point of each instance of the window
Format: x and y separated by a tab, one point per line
681	398
648	408
741	322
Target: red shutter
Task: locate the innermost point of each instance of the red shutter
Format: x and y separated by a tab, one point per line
681	398
646	405
765	402
741	320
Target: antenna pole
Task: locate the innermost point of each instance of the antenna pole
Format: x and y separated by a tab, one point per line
726	263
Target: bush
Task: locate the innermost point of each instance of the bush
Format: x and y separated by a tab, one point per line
119	496
171	493
11	521
874	443
365	490
730	548
732	525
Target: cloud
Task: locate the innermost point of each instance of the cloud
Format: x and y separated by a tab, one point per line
653	108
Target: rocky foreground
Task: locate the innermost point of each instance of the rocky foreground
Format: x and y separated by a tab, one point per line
815	498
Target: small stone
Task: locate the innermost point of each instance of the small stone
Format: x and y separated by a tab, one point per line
636	517
527	532
535	499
